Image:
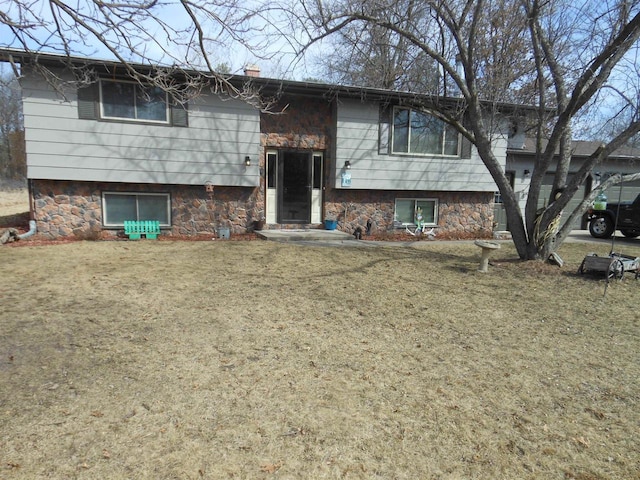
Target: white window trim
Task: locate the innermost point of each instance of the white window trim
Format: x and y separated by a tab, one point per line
133	120
419	154
416	199
137	194
315	154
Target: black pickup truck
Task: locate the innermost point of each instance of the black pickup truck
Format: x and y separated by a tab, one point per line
602	223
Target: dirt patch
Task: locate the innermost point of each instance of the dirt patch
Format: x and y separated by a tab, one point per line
237	359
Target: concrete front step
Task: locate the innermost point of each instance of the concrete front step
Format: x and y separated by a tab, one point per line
304	235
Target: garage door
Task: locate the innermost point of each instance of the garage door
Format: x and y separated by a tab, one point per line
499	213
630	191
545	192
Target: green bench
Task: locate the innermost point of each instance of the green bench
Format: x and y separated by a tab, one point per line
134	229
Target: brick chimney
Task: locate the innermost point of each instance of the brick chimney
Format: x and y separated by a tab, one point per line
251	70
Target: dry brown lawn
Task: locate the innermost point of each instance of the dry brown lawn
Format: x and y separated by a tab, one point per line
14	207
188	360
13	201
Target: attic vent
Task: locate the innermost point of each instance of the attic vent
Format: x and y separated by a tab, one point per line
252	70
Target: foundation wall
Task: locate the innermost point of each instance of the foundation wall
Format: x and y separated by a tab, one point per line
63	208
460	214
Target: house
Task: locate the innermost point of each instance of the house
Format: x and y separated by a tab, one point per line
114	150
521	153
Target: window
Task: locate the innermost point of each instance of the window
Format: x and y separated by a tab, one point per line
408	211
118	207
317	171
130	101
420	133
272	167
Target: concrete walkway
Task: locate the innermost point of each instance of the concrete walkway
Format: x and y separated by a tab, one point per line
336	238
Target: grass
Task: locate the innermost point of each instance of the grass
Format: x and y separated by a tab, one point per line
14	207
157	360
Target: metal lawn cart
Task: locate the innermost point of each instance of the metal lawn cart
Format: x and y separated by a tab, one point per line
613	266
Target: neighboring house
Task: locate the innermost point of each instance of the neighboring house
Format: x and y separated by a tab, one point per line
115	150
520	160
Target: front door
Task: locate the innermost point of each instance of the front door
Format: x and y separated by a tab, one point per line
294	187
294	198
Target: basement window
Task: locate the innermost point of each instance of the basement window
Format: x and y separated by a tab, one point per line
408	209
118	207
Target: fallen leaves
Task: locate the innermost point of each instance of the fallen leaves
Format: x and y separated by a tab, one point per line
270	467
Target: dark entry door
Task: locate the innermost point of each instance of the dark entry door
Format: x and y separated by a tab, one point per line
294	199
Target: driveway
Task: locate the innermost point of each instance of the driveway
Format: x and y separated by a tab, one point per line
583	236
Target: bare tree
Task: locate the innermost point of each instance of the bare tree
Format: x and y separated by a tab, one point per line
374	56
12	156
556	56
183	40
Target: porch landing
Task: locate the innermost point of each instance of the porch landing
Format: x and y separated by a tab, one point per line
303	235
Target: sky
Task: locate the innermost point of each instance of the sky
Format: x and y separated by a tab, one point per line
162	35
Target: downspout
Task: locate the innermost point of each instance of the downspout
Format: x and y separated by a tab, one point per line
32	223
32	230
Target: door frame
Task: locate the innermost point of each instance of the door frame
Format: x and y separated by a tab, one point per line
274	159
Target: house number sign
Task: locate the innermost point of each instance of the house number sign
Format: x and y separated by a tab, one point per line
346	179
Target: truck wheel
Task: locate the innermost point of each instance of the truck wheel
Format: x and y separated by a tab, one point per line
630	233
601	227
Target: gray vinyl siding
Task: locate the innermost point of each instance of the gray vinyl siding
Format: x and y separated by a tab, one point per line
60	146
357	140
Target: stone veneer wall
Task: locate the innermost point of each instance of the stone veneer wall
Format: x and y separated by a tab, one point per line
305	124
64	208
460	214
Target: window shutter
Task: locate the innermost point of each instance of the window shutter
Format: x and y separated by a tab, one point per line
384	129
384	139
88	102
179	115
465	149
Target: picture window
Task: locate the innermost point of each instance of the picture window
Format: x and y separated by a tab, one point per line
417	132
131	101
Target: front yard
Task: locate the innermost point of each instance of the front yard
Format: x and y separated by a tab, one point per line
191	360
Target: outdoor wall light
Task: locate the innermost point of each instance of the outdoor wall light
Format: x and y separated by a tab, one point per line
347	165
247	161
